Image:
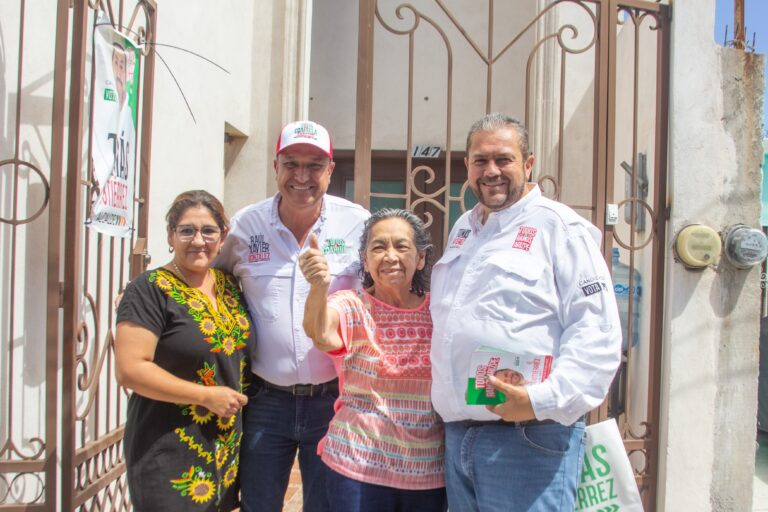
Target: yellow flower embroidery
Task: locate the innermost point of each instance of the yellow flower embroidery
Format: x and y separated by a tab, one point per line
163	283
196	484
228	345
201	490
223	325
196	304
200	414
230	301
226	423
230	475
207	326
222	453
241	321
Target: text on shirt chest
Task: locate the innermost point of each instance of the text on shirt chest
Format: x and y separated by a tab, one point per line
258	249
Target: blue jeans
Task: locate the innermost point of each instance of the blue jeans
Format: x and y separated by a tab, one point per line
348	495
508	467
275	425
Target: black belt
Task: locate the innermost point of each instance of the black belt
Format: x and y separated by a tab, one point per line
332	386
502	423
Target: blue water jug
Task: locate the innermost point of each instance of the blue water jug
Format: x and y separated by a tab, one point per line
620	277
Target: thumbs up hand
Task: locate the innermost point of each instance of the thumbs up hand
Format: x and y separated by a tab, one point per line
314	265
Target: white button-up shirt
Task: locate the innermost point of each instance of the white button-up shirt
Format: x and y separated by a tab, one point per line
531	280
263	254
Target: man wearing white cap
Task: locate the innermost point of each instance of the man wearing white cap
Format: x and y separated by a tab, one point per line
295	385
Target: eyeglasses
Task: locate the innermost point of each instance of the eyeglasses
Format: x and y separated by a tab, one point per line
187	233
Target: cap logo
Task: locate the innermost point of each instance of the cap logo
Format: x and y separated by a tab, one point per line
305	130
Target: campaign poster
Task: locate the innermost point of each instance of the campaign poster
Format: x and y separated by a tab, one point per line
114	131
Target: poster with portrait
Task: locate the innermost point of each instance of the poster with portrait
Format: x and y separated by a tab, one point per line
114	131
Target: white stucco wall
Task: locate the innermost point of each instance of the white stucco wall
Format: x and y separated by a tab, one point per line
263	46
711	332
186	153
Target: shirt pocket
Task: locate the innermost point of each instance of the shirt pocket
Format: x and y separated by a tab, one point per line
342	264
504	282
344	272
266	284
443	285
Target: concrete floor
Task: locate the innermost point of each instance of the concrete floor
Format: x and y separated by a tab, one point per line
293	501
293	496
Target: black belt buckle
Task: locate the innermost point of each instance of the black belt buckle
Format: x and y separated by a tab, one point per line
308	390
305	389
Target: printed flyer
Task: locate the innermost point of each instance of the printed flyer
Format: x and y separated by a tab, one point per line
517	369
114	131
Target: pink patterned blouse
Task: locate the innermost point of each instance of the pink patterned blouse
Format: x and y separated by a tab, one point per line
385	430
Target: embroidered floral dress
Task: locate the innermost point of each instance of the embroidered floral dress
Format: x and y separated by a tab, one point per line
182	456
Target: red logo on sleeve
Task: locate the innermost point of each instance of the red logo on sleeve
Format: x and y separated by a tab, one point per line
461	237
524	238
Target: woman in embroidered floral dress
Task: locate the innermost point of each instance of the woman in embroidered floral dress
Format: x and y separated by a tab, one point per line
181	342
385	443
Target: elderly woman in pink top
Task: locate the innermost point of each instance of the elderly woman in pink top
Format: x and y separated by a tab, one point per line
384	446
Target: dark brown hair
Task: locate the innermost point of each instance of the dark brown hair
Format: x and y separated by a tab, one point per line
496	121
195	198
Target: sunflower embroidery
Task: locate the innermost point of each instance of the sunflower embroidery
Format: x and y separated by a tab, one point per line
222	452
231	440
196	304
230	474
196	484
163	283
227	344
207	326
226	423
230	301
224	326
200	414
242	321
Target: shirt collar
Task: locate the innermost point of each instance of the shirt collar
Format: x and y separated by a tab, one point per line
275	215
503	216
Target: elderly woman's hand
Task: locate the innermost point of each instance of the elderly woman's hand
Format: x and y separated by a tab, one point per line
314	265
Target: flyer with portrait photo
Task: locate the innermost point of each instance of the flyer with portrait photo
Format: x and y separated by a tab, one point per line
517	369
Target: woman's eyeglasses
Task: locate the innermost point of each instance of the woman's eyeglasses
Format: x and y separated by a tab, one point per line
187	233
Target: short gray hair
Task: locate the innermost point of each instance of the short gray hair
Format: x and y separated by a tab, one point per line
496	120
421	239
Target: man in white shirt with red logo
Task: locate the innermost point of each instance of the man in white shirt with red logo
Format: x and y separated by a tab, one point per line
521	274
295	385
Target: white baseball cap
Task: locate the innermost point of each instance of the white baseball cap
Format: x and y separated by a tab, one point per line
305	132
